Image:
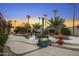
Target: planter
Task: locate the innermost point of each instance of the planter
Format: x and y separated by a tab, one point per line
43	41
60	42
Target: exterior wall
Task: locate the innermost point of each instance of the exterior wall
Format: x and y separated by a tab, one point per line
76	31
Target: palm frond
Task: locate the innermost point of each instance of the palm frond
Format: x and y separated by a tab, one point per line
57	21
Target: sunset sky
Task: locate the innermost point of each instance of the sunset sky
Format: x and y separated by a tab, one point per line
20	10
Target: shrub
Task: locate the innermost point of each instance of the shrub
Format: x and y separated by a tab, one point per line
65	31
29	30
2	31
51	30
3	39
3	36
36	26
20	30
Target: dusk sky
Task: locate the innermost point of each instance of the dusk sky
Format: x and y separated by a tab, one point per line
20	10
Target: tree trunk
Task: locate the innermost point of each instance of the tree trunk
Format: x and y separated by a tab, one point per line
74	18
42	24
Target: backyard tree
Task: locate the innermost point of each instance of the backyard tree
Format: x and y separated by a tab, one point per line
28	27
28	17
56	23
3	36
55	12
45	18
36	27
39	19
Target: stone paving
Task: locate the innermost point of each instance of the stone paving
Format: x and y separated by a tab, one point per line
73	40
53	51
19	45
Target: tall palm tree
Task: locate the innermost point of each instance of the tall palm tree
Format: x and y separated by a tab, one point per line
2	24
55	12
39	19
42	24
74	14
57	23
45	16
2	20
28	17
15	23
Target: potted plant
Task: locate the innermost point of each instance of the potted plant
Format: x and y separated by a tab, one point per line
43	40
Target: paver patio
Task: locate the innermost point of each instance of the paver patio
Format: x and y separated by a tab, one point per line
20	45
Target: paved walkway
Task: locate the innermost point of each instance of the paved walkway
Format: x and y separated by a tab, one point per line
73	40
53	51
19	45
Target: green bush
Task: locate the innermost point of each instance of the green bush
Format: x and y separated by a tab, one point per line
65	31
51	30
20	30
3	39
29	30
3	36
2	31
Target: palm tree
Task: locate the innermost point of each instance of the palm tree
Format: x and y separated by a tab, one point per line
2	20
36	26
74	14
55	12
1	16
45	16
39	19
15	22
42	24
28	17
57	23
